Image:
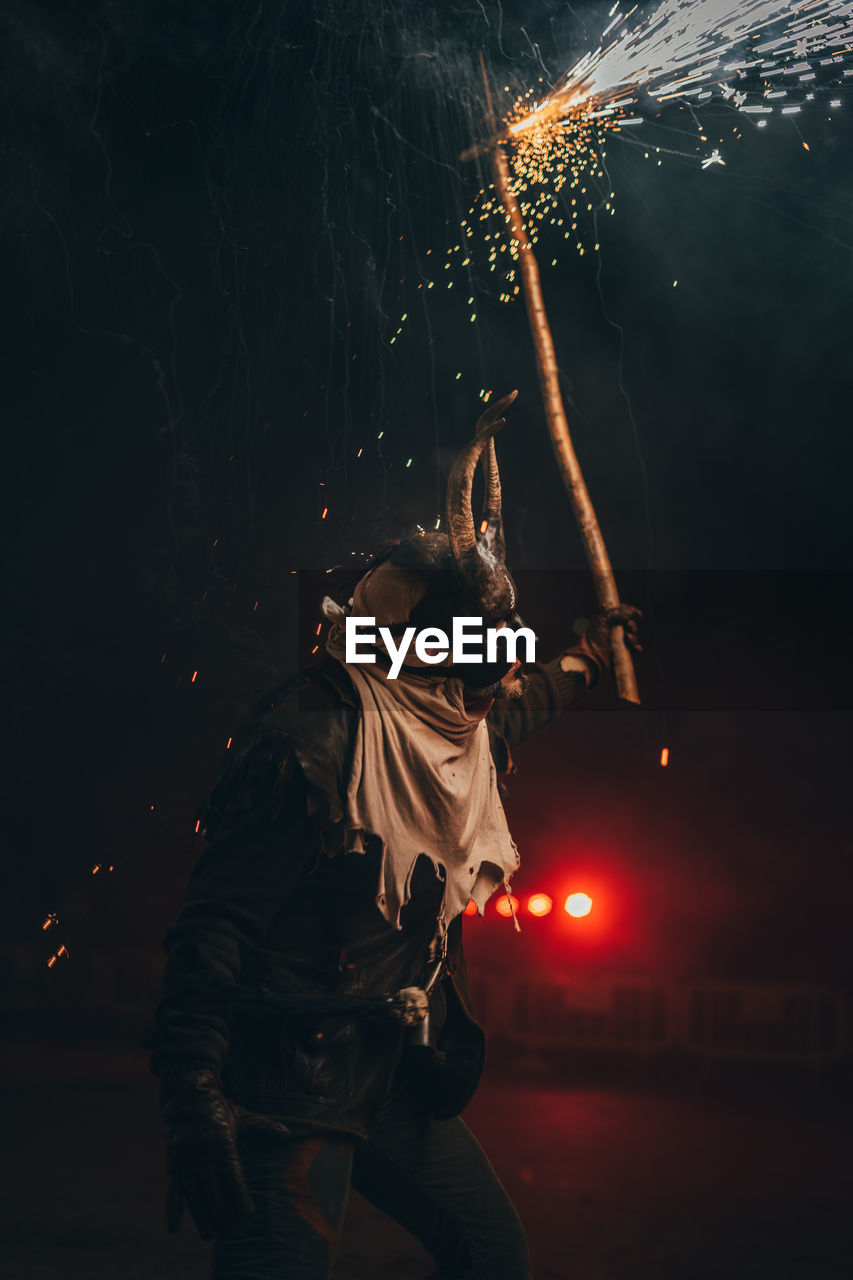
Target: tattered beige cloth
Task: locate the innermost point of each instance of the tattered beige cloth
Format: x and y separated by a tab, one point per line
423	781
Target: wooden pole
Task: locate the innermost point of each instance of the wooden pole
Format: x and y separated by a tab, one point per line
564	450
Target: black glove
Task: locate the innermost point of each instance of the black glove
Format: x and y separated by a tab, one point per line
594	646
203	1162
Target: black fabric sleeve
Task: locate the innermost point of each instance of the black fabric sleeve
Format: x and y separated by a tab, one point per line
549	690
241	880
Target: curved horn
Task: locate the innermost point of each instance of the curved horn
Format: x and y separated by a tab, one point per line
460	518
492	497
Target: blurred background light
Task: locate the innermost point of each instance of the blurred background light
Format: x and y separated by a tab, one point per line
578	904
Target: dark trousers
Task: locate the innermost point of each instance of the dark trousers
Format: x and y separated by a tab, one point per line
429	1175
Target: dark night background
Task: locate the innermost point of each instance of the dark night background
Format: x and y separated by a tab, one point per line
213	218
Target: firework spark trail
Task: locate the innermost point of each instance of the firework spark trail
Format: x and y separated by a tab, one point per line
763	58
679	51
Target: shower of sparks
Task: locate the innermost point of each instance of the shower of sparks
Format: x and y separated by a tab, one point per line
686	49
760	59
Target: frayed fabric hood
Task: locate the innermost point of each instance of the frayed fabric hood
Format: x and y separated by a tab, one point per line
424	783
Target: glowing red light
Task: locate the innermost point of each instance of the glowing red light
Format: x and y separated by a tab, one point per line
578	904
539	904
506	905
471	909
664	757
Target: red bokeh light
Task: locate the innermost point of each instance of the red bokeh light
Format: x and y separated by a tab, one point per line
578	904
539	904
471	909
506	905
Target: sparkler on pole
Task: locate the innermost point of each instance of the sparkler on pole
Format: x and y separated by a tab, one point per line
567	461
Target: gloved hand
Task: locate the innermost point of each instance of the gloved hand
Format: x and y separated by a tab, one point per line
203	1161
594	647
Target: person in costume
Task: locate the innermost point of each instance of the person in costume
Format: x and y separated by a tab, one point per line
316	1031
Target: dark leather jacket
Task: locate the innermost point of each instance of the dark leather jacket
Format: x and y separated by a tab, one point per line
279	960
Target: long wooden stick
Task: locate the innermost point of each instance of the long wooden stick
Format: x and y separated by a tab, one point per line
564	450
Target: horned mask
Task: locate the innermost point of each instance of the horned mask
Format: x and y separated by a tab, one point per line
429	577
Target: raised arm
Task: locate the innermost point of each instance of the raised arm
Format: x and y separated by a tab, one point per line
556	684
549	690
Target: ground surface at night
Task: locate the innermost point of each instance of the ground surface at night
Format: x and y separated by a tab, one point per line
613	1184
